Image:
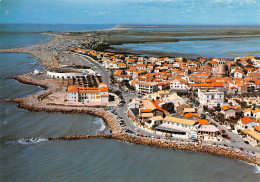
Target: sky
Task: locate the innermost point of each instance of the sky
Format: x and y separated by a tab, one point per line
174	12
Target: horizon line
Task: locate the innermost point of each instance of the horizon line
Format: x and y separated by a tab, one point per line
136	24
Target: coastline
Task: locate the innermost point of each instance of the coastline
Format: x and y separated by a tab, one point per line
32	103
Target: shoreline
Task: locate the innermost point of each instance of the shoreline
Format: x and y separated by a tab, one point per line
118	134
33	103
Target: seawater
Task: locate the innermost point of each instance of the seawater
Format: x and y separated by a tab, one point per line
227	47
27	156
209	48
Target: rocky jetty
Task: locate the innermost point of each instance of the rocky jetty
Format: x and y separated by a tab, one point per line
221	151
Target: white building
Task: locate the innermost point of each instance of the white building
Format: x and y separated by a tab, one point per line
81	94
176	126
245	123
68	73
146	87
178	85
238	74
210	97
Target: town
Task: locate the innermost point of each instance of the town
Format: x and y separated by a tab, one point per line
204	100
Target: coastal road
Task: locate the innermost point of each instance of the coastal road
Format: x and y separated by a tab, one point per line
80	59
122	113
102	71
238	141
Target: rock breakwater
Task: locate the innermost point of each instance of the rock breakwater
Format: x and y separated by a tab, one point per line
221	151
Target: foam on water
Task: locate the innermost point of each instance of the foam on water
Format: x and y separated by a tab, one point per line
256	169
100	123
26	141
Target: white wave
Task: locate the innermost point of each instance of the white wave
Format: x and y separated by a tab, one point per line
101	123
26	141
256	169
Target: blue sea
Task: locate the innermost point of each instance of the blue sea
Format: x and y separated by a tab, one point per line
26	159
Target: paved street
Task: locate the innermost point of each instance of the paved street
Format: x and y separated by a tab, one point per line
100	69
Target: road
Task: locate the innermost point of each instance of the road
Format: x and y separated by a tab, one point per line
100	69
238	141
122	113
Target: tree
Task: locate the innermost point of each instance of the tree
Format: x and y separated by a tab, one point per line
205	107
154	126
211	111
245	71
243	104
220	117
203	116
217	108
168	107
249	61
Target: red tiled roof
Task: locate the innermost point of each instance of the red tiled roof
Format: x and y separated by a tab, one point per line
146	110
158	107
188	115
246	120
72	88
202	121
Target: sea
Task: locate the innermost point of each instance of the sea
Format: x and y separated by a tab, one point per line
25	154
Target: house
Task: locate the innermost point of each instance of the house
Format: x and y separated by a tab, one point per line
253	136
248	112
245	123
177	126
188	110
228	111
179	106
256	114
203	121
82	94
146	87
210	97
179	85
150	109
238	74
208	132
193	116
156	120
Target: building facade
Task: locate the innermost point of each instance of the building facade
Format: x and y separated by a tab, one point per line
146	87
85	95
210	97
